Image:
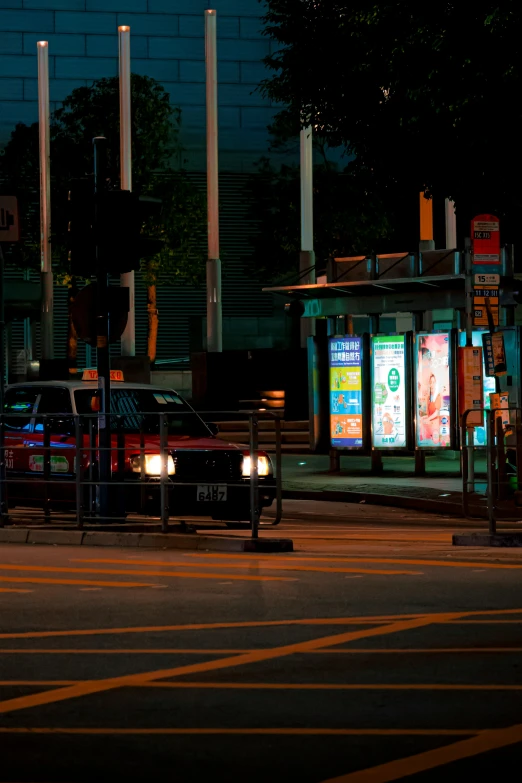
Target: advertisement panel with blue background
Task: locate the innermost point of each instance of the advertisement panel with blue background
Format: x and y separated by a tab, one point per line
479	437
346	405
389	391
432	398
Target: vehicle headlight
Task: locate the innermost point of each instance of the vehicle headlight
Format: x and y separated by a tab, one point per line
263	465
152	464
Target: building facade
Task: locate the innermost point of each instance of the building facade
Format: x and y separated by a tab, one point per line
167	43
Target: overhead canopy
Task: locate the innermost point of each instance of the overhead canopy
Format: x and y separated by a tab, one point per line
372	297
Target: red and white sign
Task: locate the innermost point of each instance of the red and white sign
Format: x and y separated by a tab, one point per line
485	239
92	375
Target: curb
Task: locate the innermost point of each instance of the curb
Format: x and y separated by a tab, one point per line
486	539
144	540
395	501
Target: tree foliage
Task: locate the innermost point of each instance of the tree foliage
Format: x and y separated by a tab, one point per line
424	95
156	171
346	222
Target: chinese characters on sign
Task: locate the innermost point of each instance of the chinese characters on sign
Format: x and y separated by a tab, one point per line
471	385
480	434
388	392
345	359
432	397
485	239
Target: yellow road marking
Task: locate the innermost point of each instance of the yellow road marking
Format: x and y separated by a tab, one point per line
424	650
120	572
13	590
282	731
237	651
279	686
207	626
7	683
111	683
493	739
489	622
438	617
48	581
316	686
131	651
270	567
380	560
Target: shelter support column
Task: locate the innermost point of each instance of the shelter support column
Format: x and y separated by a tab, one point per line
420	457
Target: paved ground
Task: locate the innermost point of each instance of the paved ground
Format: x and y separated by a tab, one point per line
442	482
376	647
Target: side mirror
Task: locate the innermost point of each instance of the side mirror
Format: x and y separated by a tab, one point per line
213	427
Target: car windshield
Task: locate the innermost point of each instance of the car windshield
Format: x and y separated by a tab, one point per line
139	411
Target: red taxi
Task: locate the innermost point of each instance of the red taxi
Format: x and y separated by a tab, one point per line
207	476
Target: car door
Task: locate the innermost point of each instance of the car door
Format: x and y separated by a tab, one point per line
55	403
19	405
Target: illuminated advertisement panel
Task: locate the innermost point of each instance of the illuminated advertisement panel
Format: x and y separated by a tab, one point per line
432	391
389	392
480	436
346	405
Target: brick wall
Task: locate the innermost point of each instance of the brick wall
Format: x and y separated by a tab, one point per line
167	43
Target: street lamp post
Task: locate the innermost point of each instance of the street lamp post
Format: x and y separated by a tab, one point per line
46	271
307	255
214	310
128	338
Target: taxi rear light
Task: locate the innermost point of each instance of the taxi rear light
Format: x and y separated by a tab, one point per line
152	464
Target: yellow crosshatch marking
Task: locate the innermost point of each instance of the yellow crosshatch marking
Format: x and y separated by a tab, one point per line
469	742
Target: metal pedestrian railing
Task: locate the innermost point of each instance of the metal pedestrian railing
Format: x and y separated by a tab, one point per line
502	483
51	469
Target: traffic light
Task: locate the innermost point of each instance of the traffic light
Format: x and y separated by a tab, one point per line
122	243
110	224
81	245
84	309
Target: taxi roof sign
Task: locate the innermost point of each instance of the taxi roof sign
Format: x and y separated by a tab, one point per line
92	375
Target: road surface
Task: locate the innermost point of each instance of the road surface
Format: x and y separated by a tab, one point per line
375	652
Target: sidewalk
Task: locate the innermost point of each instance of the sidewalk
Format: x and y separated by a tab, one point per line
307	477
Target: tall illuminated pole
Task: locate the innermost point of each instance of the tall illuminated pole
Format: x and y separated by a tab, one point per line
214	311
128	338
46	270
451	225
307	255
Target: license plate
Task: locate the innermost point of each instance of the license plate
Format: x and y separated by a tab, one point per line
212	493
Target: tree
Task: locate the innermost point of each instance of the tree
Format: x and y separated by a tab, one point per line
345	223
422	94
156	158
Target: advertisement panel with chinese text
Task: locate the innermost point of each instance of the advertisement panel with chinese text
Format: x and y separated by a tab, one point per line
389	414
480	435
346	392
433	391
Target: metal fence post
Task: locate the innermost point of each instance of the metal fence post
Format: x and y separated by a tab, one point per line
279	471
254	484
78	465
92	458
490	452
464	464
3	487
46	467
164	459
